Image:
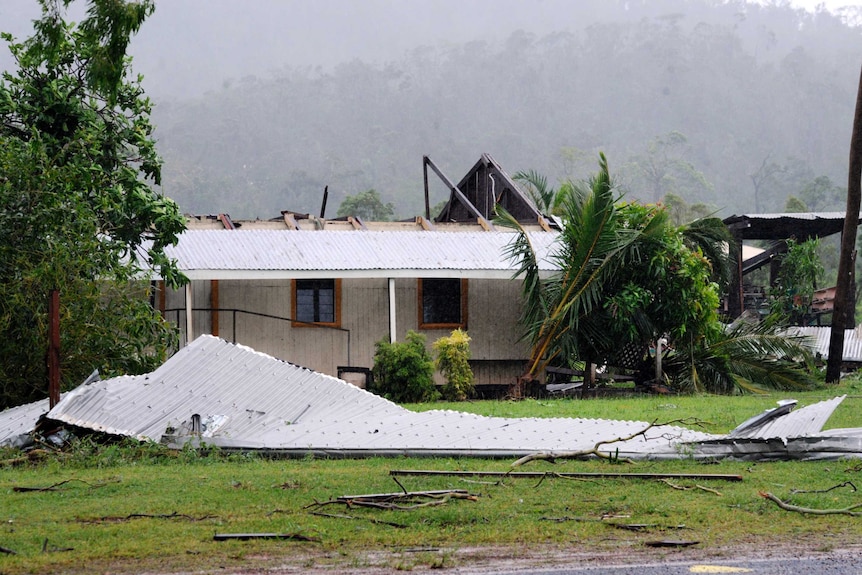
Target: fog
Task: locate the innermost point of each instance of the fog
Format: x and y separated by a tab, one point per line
188	47
259	104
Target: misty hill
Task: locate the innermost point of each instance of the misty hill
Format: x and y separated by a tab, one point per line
705	99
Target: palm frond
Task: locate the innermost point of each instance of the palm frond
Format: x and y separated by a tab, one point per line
712	238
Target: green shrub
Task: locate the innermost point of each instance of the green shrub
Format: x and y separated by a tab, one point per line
453	354
404	371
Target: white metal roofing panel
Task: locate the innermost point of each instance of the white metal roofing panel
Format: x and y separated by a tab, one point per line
800	422
221	254
17	422
248	399
819	337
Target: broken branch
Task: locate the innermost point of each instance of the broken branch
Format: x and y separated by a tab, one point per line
790	507
54	487
845	484
371	519
596	450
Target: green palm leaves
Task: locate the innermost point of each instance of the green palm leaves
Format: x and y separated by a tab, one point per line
623	277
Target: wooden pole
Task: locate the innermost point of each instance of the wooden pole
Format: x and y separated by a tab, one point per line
844	298
53	348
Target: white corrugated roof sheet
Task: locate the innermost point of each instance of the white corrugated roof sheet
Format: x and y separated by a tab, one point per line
248	400
819	337
232	254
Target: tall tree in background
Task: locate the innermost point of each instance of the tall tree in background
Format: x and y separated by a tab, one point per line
844	286
77	161
367	206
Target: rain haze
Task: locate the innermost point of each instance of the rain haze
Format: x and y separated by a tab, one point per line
259	105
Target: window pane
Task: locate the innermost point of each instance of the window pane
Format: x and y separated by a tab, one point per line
304	304
441	301
315	301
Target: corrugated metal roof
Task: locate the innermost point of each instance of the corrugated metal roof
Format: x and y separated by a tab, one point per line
225	254
251	400
17	423
248	400
819	337
795	216
797	423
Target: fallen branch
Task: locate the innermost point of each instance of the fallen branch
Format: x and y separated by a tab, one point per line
789	507
54	548
596	450
371	519
119	519
247	536
398	501
8	551
845	484
54	487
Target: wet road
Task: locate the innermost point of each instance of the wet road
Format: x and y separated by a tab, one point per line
827	565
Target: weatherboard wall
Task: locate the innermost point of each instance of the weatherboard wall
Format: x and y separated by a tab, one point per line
493	309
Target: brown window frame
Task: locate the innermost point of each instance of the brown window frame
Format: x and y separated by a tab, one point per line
297	323
462	324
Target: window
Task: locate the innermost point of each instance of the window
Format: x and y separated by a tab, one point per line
443	303
316	302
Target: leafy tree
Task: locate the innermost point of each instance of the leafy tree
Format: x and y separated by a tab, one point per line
77	160
664	169
794	288
367	206
403	370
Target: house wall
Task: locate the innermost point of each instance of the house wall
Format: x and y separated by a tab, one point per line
492	316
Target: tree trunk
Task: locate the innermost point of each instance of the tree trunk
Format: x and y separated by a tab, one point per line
843	295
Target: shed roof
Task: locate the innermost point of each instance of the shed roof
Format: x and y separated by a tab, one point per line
780	226
274	254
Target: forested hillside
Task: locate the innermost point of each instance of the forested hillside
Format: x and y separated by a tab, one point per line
735	105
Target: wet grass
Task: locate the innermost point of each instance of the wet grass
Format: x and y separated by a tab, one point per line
132	508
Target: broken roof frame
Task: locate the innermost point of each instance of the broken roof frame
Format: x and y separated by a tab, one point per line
233	397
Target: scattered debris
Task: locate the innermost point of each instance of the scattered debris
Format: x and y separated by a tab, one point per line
370	519
247	536
403	501
671	543
789	507
8	551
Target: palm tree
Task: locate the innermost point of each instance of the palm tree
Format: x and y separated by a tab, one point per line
627	276
593	246
746	357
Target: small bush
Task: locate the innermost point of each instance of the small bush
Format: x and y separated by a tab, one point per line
404	371
453	354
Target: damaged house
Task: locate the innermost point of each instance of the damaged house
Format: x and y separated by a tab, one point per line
320	293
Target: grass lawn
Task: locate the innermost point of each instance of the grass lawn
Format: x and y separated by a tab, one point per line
143	509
